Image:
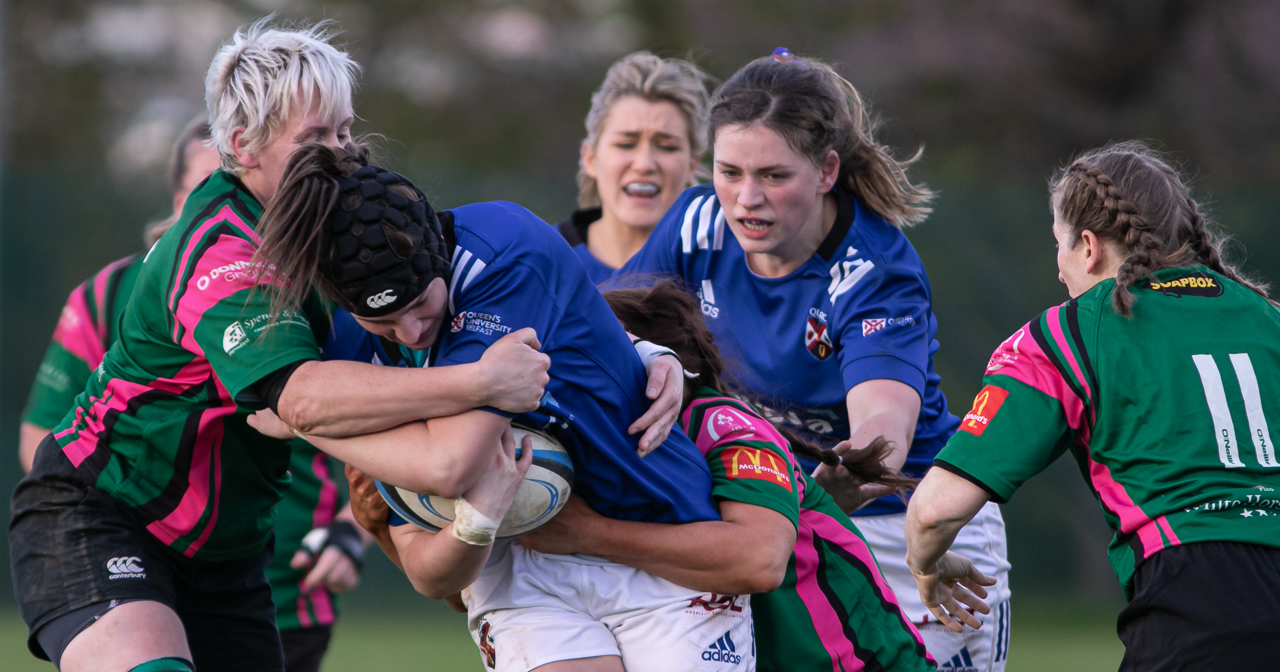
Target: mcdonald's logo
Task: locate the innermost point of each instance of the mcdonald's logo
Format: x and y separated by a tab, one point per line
985	406
764	465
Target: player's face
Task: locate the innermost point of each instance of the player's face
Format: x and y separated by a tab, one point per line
201	162
1071	258
266	166
417	325
641	161
770	193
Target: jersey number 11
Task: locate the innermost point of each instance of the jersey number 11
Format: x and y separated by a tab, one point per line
1224	428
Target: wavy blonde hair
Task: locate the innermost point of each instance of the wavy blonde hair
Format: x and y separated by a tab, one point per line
657	80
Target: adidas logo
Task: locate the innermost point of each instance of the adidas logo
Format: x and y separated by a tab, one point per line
381	299
722	651
707	297
126	568
961	662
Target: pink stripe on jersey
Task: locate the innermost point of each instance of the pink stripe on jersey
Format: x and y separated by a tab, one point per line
1116	499
826	621
304	618
1021	358
77	333
217	497
204	460
327	504
1168	530
1054	318
323	604
224	215
222	271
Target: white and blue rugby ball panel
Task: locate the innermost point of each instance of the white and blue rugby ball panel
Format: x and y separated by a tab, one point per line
542	494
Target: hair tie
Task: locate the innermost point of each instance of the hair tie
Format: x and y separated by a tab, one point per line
784	55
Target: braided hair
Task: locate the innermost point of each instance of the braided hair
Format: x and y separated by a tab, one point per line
1128	194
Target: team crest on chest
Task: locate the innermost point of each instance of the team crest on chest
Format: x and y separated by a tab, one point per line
816	338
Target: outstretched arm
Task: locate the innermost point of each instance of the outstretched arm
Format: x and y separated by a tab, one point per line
338	398
706	556
942	504
877	408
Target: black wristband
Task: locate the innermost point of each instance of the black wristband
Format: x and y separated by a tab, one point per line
344	536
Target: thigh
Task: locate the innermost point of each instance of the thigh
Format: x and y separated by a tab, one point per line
125	637
304	648
519	640
71	546
230	618
673	628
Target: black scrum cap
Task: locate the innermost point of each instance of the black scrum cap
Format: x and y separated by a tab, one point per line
375	277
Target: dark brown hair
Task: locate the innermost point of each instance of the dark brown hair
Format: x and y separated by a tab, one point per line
296	245
1128	194
667	315
816	111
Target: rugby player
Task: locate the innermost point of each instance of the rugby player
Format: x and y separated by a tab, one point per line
145	523
826	606
802	270
1160	376
646	133
437	290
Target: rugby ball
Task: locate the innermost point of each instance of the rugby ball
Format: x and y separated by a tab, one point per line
541	496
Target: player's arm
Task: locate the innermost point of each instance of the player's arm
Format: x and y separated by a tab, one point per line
29	438
439	456
441	564
877	408
708	556
338	398
942	504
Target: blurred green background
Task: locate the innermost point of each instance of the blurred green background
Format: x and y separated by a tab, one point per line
484	100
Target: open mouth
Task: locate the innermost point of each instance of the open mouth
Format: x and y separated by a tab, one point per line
755	225
641	190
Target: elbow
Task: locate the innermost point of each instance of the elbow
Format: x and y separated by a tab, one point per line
762	573
927	515
437	590
301	410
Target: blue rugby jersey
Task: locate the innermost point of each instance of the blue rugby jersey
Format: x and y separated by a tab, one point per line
511	270
860	309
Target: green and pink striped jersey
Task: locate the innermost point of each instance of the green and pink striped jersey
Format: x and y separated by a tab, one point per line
86	329
158	425
1167	412
834	609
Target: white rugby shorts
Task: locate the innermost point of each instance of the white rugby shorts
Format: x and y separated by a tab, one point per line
982	541
528	609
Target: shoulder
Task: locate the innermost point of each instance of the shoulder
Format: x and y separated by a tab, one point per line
503	230
713	421
698	218
1047	354
876	254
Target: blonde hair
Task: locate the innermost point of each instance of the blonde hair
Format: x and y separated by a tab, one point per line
257	77
816	111
645	76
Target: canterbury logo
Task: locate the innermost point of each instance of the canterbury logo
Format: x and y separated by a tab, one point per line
126	568
381	299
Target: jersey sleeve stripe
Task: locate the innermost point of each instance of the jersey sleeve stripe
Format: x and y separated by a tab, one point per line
194	301
459	263
718	243
1056	382
1073	326
686	228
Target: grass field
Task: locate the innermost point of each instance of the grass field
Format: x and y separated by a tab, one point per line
1070	638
